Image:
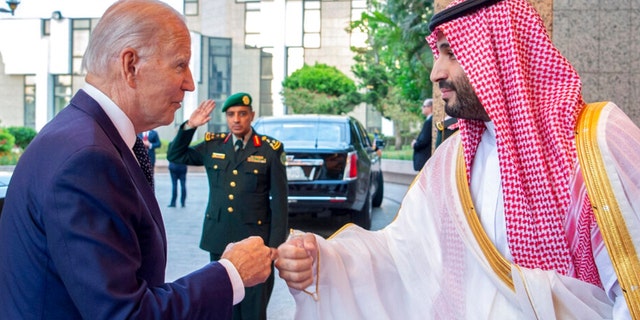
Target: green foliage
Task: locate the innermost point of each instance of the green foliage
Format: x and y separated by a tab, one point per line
405	153
9	159
23	135
397	55
304	101
164	145
320	78
319	89
7	141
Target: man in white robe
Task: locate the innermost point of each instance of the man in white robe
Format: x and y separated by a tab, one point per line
531	212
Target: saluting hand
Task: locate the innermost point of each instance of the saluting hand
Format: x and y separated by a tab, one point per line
202	114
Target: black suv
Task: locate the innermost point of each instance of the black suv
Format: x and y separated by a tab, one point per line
331	164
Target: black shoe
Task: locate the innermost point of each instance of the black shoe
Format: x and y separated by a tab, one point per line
183	205
172	206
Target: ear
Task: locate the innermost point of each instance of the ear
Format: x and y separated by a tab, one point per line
129	59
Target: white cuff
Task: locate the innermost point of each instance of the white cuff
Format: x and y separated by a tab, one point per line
236	280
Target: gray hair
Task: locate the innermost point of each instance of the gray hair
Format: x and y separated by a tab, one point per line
427	102
136	24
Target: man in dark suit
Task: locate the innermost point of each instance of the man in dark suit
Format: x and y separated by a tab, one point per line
151	141
422	145
81	234
247	187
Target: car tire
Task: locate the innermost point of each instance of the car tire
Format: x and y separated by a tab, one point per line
362	217
377	197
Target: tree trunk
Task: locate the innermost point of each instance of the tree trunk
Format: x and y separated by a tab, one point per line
397	134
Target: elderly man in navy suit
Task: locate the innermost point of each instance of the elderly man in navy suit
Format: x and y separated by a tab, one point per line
81	234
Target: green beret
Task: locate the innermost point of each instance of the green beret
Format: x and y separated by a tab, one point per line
241	99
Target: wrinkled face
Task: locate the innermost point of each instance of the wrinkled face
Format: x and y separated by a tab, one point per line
162	79
460	99
239	120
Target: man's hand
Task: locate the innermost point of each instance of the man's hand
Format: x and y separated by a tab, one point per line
202	114
295	260
251	258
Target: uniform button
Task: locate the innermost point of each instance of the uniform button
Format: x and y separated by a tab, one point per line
235	172
208	216
259	222
232	184
255	171
215	166
230	209
230	197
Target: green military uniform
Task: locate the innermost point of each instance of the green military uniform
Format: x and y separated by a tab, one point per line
240	186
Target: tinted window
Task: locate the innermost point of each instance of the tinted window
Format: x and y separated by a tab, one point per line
306	134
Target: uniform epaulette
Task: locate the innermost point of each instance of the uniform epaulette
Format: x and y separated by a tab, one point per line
275	144
209	136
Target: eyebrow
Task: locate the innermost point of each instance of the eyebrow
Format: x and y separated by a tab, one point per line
444	45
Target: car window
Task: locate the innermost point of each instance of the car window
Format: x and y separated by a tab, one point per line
362	133
305	133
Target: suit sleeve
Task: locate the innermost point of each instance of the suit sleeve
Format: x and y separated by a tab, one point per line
109	247
279	201
179	150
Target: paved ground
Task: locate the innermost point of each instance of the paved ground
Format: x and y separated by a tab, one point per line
183	227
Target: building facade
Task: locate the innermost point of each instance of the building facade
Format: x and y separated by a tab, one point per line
252	45
237	45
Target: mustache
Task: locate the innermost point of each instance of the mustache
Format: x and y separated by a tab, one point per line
443	84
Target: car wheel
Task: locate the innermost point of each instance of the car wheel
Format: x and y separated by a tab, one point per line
377	197
362	217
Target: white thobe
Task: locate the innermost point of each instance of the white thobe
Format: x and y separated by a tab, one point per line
427	264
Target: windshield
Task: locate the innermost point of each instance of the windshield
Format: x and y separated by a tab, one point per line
306	134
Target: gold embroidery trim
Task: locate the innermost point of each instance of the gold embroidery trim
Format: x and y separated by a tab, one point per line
498	263
606	209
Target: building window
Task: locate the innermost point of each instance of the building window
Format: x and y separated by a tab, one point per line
219	77
219	68
30	101
81	29
252	24
46	27
62	90
191	7
266	81
311	24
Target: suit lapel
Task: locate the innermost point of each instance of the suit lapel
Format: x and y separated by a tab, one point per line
88	105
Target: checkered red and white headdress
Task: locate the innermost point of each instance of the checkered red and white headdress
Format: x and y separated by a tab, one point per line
532	95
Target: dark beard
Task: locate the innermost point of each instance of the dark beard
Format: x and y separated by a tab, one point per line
467	105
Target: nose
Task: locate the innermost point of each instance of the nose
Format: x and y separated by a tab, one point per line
438	72
188	84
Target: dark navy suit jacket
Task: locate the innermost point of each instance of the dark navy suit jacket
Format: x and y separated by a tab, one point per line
82	236
154	139
422	147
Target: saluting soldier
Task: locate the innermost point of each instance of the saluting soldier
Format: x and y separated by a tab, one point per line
244	169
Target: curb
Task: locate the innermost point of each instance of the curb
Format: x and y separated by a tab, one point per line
395	171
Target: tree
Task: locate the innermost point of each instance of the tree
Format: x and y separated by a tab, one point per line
319	89
397	63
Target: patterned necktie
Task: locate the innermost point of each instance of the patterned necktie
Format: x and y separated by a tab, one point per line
143	159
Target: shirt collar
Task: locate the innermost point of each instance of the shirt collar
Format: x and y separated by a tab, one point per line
244	139
120	120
